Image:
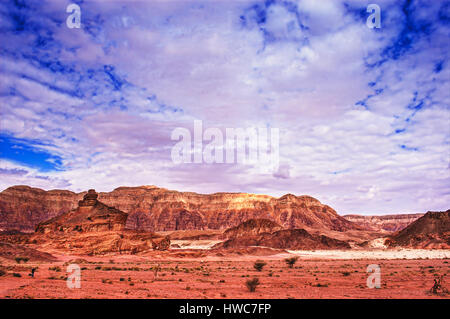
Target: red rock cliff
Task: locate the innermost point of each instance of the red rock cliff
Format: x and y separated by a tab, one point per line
90	216
157	209
390	223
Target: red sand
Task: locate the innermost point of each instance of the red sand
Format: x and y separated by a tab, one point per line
209	277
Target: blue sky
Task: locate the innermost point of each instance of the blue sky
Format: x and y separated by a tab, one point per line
363	113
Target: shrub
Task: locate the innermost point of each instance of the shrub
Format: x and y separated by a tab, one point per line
56	268
17	275
438	287
252	284
19	259
259	265
345	273
2	272
291	261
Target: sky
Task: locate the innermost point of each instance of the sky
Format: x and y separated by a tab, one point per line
363	113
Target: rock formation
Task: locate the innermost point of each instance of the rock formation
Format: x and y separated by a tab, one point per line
293	239
252	227
12	251
267	234
162	244
387	223
429	231
157	209
23	207
94	228
90	216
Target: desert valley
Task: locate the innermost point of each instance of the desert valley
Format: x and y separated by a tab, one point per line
150	242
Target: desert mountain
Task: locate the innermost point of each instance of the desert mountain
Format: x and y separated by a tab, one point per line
268	234
429	231
252	227
151	208
389	223
90	216
94	228
23	207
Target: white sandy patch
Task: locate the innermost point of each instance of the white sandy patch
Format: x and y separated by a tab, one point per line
373	254
197	244
378	243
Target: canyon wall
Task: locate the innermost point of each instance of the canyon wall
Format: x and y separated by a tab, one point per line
157	209
390	223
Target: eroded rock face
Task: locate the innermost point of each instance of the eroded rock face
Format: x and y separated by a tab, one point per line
429	231
151	208
293	239
264	233
90	216
23	207
11	251
97	242
157	209
252	227
161	244
388	223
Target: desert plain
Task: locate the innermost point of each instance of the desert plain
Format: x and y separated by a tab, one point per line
197	274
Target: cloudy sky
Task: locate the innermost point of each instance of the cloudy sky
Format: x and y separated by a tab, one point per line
363	113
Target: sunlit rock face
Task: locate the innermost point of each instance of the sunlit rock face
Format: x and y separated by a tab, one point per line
157	209
90	216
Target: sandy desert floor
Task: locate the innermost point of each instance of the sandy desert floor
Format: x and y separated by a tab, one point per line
317	274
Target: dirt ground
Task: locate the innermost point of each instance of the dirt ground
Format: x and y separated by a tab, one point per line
222	277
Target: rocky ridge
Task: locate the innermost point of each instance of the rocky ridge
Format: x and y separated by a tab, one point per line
429	231
251	233
152	209
386	223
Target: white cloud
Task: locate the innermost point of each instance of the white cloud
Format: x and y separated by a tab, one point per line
180	61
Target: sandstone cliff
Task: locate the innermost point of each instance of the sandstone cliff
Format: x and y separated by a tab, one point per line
90	216
429	231
157	209
23	207
388	223
94	228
